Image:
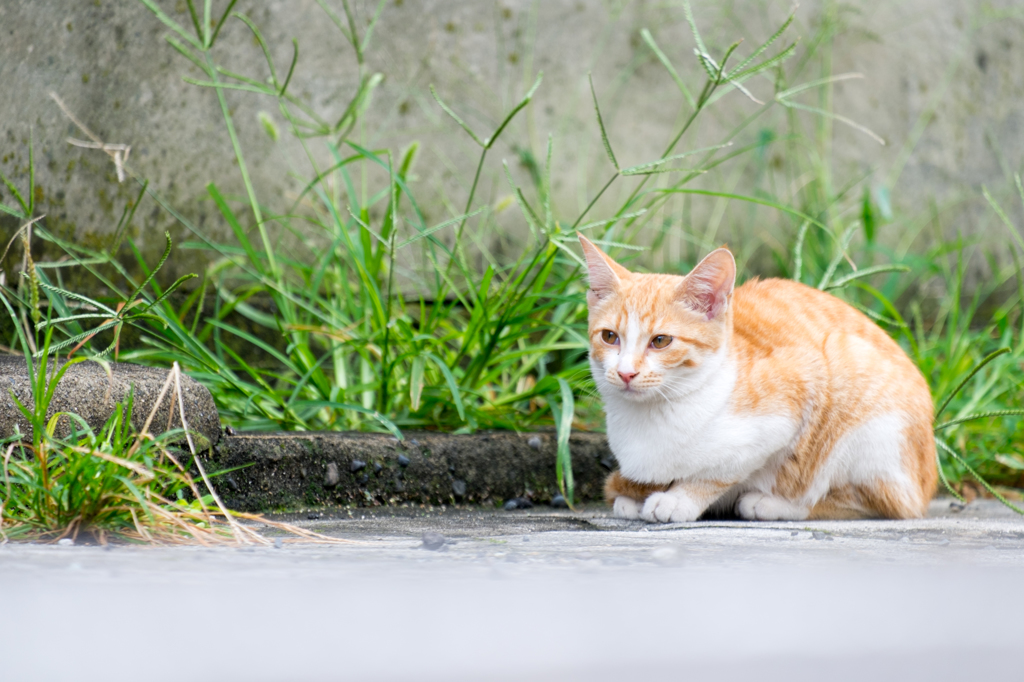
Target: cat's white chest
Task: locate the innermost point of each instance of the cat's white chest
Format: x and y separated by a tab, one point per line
695	437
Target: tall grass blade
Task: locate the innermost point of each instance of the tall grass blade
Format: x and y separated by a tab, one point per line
979	415
649	39
455	117
600	124
978	477
874	270
977	368
563	415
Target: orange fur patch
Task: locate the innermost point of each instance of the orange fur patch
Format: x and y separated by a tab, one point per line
617	485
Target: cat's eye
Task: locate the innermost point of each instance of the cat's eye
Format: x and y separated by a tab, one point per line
609	337
660	341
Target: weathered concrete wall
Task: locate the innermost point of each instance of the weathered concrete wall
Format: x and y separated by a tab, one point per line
108	61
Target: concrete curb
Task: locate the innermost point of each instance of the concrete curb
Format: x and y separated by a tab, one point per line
299	470
289	471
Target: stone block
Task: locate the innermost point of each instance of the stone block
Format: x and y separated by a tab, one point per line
88	390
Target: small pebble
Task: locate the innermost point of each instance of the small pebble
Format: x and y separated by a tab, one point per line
364	479
795	533
665	555
818	535
904	539
459	488
608	463
518	503
403	461
65	542
433	541
534	442
332	476
229	431
956	507
559	502
313	515
356	465
278	543
377	466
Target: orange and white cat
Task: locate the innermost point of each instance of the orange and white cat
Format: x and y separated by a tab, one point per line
775	400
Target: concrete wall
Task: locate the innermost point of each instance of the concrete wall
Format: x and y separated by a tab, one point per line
108	61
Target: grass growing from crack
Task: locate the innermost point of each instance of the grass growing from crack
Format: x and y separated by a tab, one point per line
358	314
114	483
65	479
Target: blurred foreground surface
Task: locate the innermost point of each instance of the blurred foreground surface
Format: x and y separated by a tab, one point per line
530	594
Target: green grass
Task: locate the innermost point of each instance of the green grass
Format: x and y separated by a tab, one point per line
63	479
90	485
344	308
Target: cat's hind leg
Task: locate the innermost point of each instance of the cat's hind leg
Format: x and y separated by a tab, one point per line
883	468
626	508
758	506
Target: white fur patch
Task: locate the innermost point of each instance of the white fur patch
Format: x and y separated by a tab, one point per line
693	433
868	453
673	506
628	359
626	508
756	506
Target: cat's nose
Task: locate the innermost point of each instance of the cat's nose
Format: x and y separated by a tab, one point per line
627	376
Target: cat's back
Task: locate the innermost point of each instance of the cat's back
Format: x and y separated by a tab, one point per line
771	314
791	341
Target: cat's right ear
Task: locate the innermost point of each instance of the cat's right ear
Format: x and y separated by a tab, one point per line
708	287
604	274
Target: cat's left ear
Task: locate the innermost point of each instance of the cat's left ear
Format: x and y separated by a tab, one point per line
605	275
708	286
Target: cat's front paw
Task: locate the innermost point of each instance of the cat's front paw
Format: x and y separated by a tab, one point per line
669	507
626	508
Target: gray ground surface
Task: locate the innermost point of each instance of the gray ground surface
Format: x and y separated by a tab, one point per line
537	593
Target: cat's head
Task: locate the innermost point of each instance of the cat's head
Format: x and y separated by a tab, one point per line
655	336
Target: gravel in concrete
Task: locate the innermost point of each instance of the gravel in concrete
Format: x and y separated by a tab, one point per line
88	390
463	594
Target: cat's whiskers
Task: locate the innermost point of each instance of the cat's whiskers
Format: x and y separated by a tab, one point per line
671	386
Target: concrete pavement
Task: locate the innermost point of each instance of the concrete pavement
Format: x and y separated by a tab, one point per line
540	593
